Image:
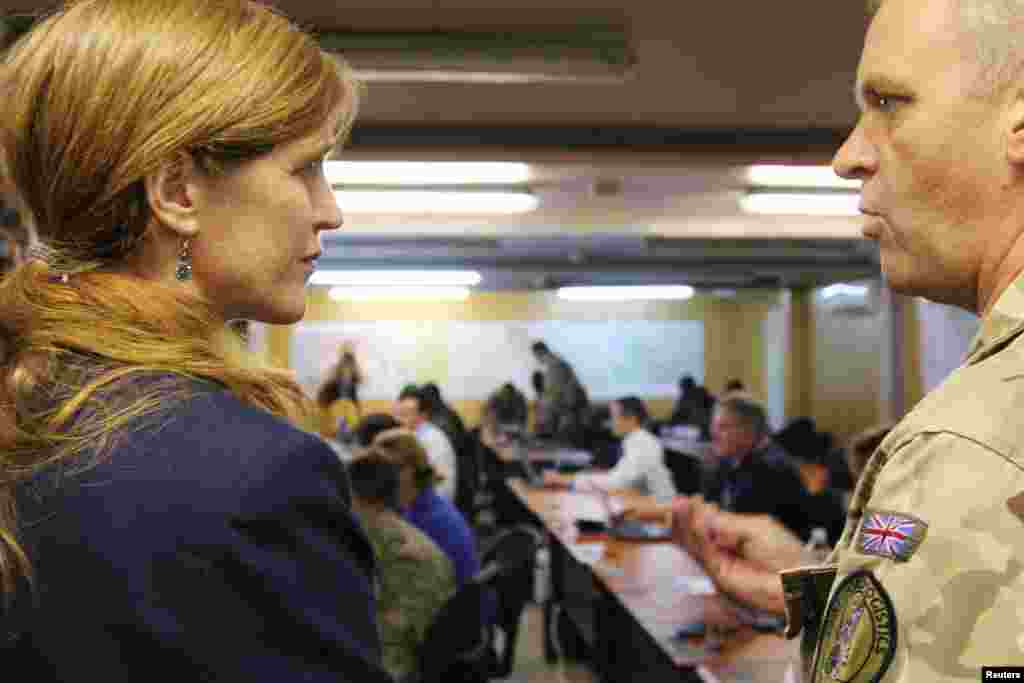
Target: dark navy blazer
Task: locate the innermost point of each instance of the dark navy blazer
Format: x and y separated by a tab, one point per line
216	544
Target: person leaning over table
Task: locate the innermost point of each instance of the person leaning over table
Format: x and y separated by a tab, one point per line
927	581
564	406
162	507
642	465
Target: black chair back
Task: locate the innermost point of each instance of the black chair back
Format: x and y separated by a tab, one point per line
508	566
686	472
456	646
467	484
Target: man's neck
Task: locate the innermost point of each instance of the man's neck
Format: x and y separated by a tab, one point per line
996	274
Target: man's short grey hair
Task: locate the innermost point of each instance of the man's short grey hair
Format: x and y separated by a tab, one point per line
995	28
748	411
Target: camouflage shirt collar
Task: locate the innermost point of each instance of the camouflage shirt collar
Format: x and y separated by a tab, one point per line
1004	322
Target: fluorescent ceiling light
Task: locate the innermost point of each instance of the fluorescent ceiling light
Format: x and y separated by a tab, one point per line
841	289
426	173
820	177
396	278
628	293
434	202
398	293
802	204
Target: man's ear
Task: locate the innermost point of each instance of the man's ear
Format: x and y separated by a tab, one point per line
171	192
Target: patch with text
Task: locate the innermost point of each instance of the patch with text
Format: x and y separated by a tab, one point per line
858	636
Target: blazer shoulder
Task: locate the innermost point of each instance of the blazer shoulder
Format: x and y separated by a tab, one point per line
222	455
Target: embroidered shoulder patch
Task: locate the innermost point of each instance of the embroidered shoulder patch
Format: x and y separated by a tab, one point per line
858	636
892	535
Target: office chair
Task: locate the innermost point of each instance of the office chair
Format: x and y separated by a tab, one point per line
686	472
467	484
508	565
456	646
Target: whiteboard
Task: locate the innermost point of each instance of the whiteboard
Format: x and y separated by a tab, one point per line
470	359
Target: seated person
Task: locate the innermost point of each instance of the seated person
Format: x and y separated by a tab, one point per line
506	406
416	577
862	447
414	414
372	425
421	505
505	413
752	474
642	466
693	407
810	450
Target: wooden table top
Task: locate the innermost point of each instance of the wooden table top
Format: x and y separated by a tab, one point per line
565	455
649	579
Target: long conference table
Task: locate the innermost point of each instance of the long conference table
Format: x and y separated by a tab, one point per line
628	599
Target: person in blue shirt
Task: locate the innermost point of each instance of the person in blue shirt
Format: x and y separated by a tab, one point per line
422	506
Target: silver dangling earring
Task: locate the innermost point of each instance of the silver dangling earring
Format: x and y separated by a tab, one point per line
184	270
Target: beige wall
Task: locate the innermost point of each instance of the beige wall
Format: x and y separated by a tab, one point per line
732	328
835	367
846	368
862	367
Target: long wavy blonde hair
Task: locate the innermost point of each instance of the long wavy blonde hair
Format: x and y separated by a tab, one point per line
92	99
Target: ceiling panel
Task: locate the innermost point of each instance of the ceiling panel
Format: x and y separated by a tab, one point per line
716	85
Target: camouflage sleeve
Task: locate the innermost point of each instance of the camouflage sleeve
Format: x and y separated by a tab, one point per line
558	387
415	585
930	587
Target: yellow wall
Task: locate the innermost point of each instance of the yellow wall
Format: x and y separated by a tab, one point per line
732	329
832	365
800	360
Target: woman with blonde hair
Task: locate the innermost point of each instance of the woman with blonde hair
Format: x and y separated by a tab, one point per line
161	511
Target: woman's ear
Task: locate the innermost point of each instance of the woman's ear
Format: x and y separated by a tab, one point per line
1015	138
171	192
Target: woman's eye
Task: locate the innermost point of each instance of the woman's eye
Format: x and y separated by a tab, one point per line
313	168
885	103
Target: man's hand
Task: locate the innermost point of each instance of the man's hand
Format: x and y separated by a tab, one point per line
741	553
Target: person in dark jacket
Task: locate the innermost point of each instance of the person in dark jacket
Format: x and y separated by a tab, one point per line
752	474
563	409
165	510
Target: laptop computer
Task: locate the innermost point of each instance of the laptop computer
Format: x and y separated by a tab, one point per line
518	439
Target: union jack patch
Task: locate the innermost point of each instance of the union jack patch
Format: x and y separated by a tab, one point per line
892	535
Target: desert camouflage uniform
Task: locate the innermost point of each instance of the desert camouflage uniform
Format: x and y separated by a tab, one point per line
416	578
926	582
563	409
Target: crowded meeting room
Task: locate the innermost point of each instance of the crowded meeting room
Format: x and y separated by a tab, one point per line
429	341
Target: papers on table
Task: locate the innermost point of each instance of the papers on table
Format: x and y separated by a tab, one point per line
695	585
